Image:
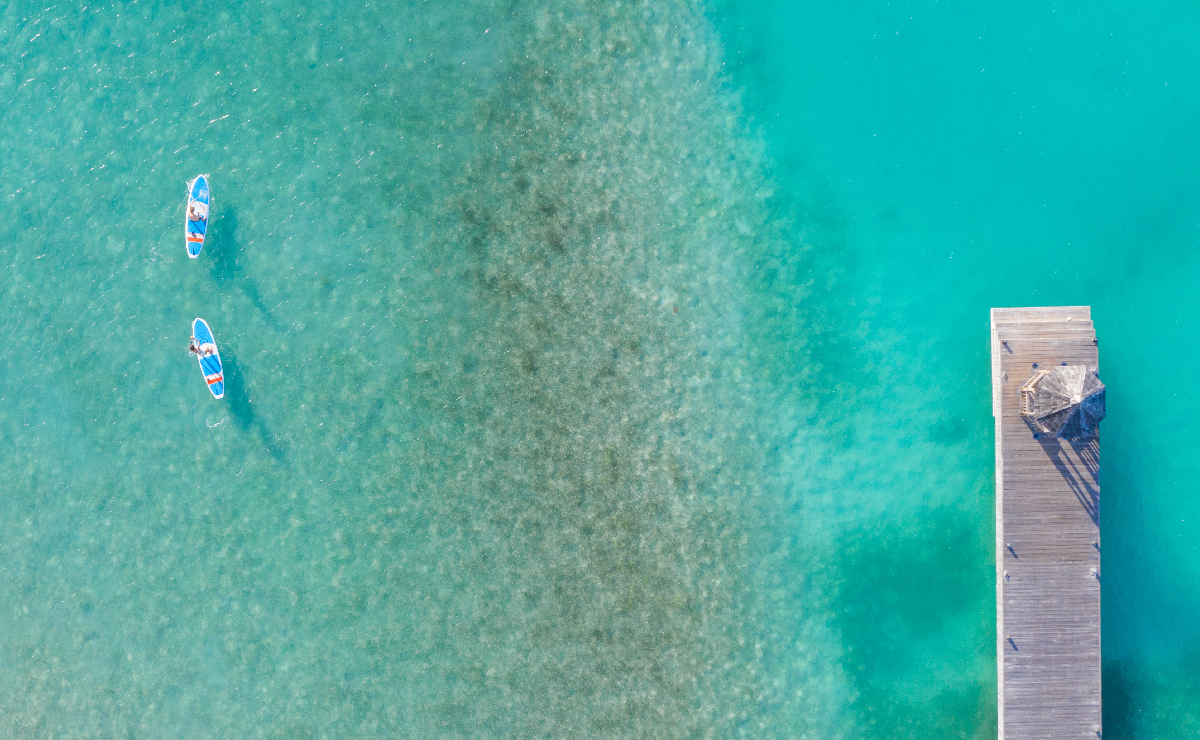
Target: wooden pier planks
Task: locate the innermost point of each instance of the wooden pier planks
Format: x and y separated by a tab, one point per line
1047	538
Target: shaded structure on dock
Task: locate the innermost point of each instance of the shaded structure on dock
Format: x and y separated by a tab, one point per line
1047	400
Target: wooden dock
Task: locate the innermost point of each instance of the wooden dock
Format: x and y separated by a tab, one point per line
1047	538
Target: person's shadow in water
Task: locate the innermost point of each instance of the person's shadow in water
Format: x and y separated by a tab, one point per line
240	406
225	253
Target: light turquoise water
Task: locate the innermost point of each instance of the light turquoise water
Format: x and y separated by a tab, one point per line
950	158
595	370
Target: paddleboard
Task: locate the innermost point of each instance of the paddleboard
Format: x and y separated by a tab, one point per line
195	222
210	358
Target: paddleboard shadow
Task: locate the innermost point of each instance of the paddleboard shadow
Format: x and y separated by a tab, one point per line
225	252
242	409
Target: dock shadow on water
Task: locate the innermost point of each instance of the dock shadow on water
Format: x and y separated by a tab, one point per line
240	406
225	255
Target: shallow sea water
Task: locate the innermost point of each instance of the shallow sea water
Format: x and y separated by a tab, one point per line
948	158
570	392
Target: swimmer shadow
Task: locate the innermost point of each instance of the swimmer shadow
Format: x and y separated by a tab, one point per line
240	406
225	252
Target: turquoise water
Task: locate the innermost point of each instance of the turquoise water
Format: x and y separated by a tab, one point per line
594	370
952	158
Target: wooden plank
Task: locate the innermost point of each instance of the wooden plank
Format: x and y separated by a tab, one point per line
1042	313
1047	538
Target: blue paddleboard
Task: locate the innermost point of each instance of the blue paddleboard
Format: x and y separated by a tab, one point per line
195	223
210	358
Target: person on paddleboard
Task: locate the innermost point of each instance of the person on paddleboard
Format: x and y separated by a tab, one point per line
197	211
200	350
